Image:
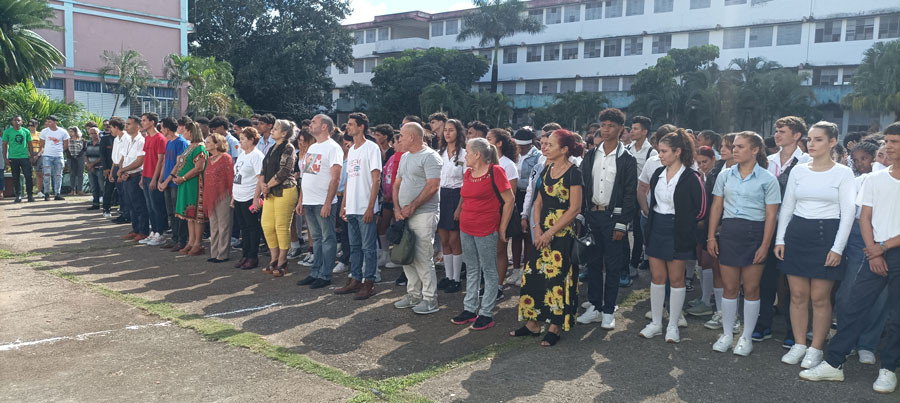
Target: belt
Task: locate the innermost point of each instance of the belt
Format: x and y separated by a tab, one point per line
134	175
598	207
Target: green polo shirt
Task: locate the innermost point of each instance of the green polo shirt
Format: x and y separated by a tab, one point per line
18	142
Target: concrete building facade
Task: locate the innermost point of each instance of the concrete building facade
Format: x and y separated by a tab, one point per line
601	45
155	29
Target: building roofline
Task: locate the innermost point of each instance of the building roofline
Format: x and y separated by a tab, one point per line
426	17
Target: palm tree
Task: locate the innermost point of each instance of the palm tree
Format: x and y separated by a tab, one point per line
132	71
494	21
876	84
23	53
211	84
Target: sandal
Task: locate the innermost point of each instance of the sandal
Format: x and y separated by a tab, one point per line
281	271
551	339
271	267
524	331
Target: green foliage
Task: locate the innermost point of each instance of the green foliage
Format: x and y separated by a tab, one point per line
280	50
24	54
876	84
24	100
493	109
210	85
132	75
494	21
573	110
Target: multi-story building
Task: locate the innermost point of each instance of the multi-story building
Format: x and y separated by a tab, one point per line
601	45
154	29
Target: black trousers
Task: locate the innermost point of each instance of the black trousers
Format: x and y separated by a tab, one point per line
21	166
637	248
109	194
603	292
768	288
250	228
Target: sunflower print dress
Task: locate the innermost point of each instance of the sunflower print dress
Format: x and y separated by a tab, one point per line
549	284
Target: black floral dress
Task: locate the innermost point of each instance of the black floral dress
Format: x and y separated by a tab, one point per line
549	286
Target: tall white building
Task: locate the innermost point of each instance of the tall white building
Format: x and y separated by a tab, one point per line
601	45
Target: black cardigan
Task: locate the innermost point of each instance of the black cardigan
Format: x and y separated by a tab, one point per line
623	201
690	207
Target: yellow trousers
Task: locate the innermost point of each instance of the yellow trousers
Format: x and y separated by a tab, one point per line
277	213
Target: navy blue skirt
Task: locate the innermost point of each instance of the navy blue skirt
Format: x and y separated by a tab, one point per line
449	201
661	243
738	241
806	246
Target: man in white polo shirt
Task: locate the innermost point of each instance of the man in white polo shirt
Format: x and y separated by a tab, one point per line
132	149
54	140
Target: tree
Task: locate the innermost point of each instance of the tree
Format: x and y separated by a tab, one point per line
766	92
132	72
876	84
573	110
23	53
211	85
24	100
494	21
281	50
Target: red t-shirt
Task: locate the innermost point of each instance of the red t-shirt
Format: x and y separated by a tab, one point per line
480	215
153	147
390	176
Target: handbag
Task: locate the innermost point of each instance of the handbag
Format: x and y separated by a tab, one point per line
404	251
514	227
581	247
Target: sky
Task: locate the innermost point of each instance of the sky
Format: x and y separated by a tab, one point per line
366	10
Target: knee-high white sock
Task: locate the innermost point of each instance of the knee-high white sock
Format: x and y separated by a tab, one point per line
751	314
448	266
676	302
718	292
729	314
657	299
457	267
384	242
706	285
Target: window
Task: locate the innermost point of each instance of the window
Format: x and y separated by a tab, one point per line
627	82
634	46
662	43
590	85
825	76
612	47
537	14
369	65
452	27
532	87
573	13
510	55
358	65
828	31
849	72
593	48
570	51
566	86
698	39
553	16
593	10
509	88
551	52
384	34
87	86
437	28
52	84
760	37
360	37
534	54
610	84
549	87
613	8
860	29
634	7
788	34
663	6
695	4
890	27
735	2
734	38
370	36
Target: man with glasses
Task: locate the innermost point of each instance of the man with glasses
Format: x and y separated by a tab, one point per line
17	149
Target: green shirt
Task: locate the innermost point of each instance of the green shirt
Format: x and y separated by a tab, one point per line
18	142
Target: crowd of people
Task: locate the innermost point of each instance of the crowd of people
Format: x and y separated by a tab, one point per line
798	218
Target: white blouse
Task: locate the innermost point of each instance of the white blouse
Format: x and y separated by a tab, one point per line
452	170
665	192
823	195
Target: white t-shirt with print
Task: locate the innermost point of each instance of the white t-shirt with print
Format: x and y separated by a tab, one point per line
360	164
53	141
316	170
246	170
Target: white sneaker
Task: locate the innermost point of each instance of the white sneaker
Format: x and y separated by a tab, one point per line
159	240
795	355
39	194
743	347
591	315
392	265
695	302
682	322
236	242
715	323
724	343
672	335
377	275
812	358
408	301
737	326
586	304
107	215
866	357
148	239
650	331
308	260
823	372
383	257
609	321
515	278
886	382
339	268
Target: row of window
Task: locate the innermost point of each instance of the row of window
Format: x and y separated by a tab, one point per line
858	29
830	76
109	88
550	87
372	35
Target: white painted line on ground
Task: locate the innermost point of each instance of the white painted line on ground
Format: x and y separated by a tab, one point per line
81	337
256	308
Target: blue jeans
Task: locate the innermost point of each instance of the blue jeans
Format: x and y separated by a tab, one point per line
324	241
602	293
140	221
156	207
53	171
481	260
363	247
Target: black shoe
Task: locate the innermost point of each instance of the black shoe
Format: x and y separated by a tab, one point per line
18	200
120	220
645	265
319	283
453	287
46	197
94	208
214	260
294	253
483	322
401	280
307	281
444	283
30	199
500	295
464	318
58	197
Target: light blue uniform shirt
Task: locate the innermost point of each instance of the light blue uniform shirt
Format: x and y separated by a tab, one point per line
747	198
234	147
264	145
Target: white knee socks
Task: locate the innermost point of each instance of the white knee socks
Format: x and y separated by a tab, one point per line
457	266
706	285
729	315
676	302
718	292
448	266
657	299
751	314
